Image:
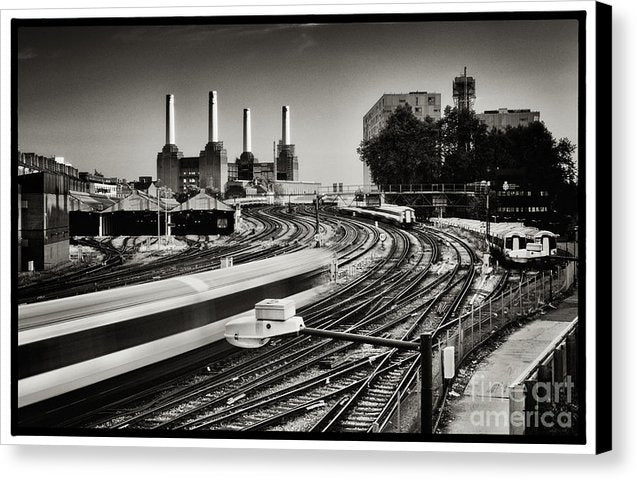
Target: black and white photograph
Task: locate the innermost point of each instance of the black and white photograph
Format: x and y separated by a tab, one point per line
370	226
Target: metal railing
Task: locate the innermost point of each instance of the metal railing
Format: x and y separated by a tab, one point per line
548	381
470	330
404	188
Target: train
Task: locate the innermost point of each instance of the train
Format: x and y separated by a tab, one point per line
74	342
404	217
513	242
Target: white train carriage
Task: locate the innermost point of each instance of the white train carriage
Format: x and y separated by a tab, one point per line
514	241
404	217
548	241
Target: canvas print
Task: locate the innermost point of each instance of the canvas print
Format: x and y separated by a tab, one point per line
346	227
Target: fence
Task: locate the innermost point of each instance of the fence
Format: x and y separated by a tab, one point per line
468	331
407	188
539	399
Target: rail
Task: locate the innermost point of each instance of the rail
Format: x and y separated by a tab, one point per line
470	330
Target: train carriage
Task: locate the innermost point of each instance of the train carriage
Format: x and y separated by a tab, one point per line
400	216
513	241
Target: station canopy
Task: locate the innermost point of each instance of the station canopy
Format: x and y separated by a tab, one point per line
138	201
203	201
90	202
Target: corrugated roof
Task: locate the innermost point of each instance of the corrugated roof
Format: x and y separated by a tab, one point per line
203	201
94	202
138	201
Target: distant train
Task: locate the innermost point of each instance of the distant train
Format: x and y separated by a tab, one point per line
404	217
512	241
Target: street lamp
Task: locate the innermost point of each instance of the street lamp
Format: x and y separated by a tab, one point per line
318	233
158	216
276	318
167	191
487	227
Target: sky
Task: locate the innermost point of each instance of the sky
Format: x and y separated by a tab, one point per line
96	95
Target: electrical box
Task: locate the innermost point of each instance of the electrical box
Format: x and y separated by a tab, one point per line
449	361
247	332
275	309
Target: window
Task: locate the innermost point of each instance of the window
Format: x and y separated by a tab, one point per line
418	110
222	223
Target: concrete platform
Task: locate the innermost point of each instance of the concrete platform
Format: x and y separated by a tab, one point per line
483	407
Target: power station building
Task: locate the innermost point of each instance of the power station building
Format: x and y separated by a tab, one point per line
285	165
211	168
208	170
422	105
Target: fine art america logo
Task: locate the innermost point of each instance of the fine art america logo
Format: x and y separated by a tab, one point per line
548	402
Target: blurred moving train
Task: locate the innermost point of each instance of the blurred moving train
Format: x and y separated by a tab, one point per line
404	217
512	241
73	342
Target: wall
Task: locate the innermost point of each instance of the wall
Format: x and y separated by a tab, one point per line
44	219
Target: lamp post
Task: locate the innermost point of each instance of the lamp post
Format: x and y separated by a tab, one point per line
318	237
487	225
166	190
158	216
251	332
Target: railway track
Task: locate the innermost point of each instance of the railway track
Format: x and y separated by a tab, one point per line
359	238
190	404
305	384
293	234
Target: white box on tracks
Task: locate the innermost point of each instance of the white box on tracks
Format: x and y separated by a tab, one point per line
275	309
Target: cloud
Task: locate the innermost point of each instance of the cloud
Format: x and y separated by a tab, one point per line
202	33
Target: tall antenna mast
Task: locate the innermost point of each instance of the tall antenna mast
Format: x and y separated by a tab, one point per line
464	91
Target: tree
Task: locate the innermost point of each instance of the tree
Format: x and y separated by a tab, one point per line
459	148
235	190
189	192
533	150
405	151
462	146
213	192
531	157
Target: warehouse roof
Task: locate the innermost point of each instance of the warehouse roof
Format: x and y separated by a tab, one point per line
138	201
203	201
87	202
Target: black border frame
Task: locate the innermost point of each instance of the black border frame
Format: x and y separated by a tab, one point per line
603	180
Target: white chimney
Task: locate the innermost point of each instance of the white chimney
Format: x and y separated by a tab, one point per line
285	134
213	126
170	119
247	136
